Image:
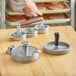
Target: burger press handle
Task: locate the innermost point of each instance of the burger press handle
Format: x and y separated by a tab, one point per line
18	35
56	47
10	48
57	38
18	30
25	47
42	24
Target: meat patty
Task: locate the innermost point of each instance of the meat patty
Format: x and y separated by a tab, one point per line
17	18
55	6
41	6
22	20
56	16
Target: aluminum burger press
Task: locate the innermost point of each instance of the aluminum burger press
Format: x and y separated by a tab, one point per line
18	35
56	47
24	53
31	32
41	27
34	31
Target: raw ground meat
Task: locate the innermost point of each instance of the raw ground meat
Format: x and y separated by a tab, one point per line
19	19
56	16
41	6
55	6
23	20
50	6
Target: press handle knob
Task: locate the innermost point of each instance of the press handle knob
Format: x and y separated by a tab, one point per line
25	46
57	38
9	50
18	30
41	24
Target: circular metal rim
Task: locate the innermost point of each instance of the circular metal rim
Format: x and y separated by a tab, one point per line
17	38
57	52
26	30
29	46
45	27
25	61
22	34
22	59
32	34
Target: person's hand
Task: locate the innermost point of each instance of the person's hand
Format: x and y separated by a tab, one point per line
31	10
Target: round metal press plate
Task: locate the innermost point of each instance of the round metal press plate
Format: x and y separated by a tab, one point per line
42	30
14	36
51	48
19	51
19	55
31	32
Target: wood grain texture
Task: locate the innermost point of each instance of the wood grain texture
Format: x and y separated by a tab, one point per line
47	0
47	65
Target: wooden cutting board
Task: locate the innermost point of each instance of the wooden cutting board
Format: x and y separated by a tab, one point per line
47	0
47	65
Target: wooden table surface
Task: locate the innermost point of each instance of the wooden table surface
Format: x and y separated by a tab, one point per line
46	65
48	0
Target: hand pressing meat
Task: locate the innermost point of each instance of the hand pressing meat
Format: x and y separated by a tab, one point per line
56	16
26	6
31	10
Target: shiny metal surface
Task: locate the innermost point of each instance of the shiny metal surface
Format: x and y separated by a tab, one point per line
18	35
56	47
51	48
42	28
24	53
31	32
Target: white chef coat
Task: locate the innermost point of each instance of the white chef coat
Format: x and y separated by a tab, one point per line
16	5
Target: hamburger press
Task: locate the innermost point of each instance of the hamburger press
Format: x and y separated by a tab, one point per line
41	27
18	35
31	32
56	47
24	53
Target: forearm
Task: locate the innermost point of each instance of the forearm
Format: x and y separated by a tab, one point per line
15	5
25	6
